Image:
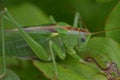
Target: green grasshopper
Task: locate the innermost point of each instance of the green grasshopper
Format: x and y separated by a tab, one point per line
46	42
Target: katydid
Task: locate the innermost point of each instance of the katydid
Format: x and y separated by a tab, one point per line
46	42
62	36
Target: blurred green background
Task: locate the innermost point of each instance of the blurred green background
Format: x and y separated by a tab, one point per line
93	12
36	12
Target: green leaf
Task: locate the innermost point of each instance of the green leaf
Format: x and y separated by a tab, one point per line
69	69
99	77
113	24
10	75
103	50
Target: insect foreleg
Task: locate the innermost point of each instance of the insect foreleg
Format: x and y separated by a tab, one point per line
73	53
53	59
58	51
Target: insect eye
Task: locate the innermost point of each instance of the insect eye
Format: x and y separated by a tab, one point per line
83	39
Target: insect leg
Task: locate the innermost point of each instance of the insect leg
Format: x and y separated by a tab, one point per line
73	53
3	41
76	20
52	19
35	46
59	51
53	59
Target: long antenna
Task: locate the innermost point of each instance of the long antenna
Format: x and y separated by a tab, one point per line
103	31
